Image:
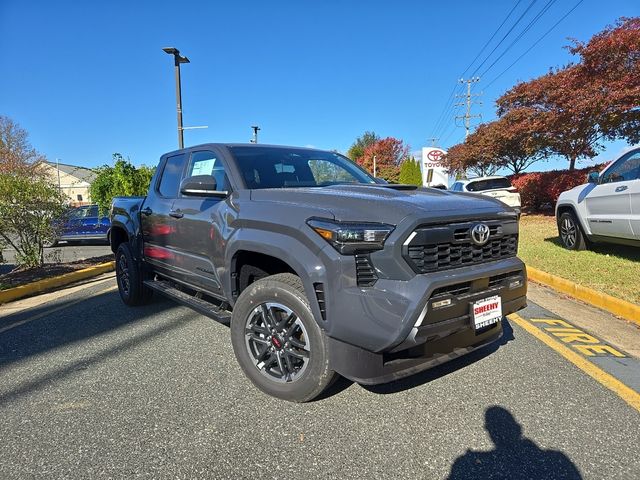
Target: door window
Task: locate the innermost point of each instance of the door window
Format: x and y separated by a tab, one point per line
208	163
627	168
171	176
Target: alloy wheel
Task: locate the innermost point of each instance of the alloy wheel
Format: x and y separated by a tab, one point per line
122	274
277	342
568	232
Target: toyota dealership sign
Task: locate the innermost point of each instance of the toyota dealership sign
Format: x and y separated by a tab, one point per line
434	172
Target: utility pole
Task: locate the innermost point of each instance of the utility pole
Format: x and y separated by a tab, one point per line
374	166
255	129
58	169
468	102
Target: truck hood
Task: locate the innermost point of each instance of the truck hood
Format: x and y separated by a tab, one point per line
380	203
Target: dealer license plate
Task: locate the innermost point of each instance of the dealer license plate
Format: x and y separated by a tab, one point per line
486	312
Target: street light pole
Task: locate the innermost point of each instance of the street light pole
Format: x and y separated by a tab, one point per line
178	59
255	129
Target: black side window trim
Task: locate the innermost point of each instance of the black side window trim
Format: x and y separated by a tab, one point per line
184	155
218	156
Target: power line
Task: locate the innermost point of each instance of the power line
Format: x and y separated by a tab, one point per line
504	37
447	109
447	113
521	34
534	44
448	105
492	37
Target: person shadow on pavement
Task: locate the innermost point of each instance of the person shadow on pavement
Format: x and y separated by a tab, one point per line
514	457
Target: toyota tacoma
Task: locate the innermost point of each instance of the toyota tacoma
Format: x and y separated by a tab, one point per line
319	269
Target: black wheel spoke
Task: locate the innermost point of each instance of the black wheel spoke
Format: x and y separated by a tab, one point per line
300	354
263	354
266	317
260	340
298	343
257	329
286	321
288	363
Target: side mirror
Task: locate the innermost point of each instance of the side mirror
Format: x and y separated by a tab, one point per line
593	177
201	186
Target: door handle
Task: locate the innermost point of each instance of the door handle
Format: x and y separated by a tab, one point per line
176	214
146	211
621	188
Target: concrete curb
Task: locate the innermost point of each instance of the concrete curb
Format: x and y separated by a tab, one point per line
621	308
41	286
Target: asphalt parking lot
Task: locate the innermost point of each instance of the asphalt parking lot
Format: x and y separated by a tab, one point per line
92	389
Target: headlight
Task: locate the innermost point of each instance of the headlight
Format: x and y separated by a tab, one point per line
351	237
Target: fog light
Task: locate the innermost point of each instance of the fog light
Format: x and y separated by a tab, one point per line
441	303
515	284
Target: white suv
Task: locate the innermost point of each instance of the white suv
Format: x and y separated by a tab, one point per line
495	187
607	209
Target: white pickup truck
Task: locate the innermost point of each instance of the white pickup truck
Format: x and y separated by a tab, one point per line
606	209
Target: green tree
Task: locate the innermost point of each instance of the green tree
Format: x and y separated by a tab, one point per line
410	173
356	151
29	206
121	179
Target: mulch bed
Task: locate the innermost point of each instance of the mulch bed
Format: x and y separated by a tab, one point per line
17	276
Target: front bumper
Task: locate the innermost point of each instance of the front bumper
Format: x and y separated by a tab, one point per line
397	328
446	341
386	316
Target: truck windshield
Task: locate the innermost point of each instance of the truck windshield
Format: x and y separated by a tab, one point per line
274	167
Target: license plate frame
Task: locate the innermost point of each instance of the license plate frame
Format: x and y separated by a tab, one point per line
486	312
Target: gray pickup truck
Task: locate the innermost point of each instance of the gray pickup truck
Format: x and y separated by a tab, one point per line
319	269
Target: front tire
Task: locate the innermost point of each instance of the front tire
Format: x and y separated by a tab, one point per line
571	234
130	279
277	341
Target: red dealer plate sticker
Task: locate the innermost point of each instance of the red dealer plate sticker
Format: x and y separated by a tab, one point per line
486	312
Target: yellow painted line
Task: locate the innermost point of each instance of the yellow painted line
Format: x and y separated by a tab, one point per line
616	386
621	308
40	286
53	310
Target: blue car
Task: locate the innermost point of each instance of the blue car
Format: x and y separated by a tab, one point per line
82	223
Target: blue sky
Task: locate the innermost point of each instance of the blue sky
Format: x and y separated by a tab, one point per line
88	79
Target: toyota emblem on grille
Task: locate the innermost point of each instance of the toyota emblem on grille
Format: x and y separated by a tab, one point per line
480	234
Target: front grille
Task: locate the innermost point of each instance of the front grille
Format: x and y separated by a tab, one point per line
365	273
455	289
498	279
442	247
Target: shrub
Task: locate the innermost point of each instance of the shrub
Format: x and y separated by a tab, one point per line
540	190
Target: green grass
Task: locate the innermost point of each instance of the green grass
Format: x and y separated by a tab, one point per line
612	269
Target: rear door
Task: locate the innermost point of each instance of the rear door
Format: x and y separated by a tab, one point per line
158	224
89	224
608	204
199	240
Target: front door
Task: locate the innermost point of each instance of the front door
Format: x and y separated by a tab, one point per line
608	204
200	244
158	222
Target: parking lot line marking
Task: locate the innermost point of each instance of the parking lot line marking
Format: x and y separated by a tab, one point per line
53	310
616	386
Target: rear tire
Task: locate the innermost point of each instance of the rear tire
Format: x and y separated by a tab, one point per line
571	234
277	341
130	278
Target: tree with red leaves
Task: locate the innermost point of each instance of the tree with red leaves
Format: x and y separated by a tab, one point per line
577	107
389	153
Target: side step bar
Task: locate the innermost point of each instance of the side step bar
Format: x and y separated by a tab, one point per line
209	309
